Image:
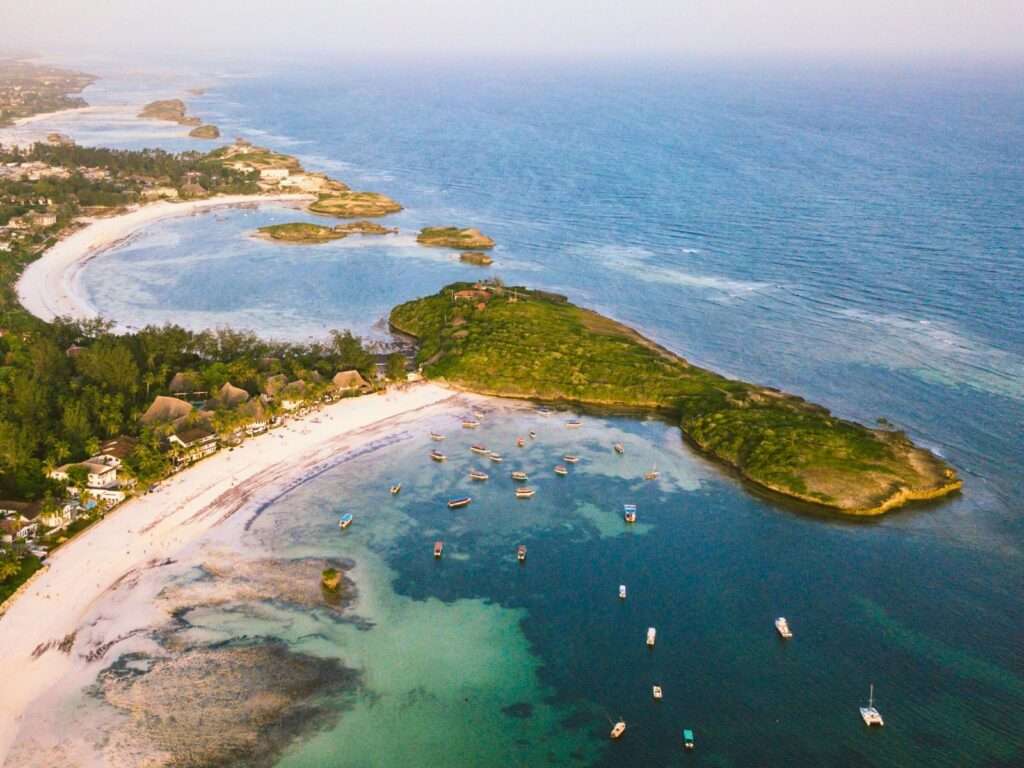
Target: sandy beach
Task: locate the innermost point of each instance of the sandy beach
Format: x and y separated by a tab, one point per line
144	531
48	286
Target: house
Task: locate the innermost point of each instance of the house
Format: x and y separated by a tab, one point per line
62	516
193	443
110	496
42	220
100	475
273	175
350	381
119	448
20	519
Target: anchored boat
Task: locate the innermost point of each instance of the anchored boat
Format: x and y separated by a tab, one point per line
520	442
653	474
618	729
460	502
476	474
396	489
656	691
345	520
619	448
436	437
622	591
533	435
438	456
783	627
519	475
470	424
869	714
521	553
524	493
574	424
438	549
570	459
495	457
687	738
477	448
629	512
561	470
652	635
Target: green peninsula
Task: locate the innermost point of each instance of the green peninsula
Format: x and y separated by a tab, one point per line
531	344
301	232
453	237
350	204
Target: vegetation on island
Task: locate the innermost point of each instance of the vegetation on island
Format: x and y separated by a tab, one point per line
28	89
453	237
478	258
205	132
349	204
516	342
301	232
169	110
330	578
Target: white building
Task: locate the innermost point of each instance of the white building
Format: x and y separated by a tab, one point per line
275	175
100	475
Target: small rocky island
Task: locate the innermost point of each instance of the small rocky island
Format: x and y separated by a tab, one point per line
350	204
479	258
516	342
205	132
175	111
302	232
453	237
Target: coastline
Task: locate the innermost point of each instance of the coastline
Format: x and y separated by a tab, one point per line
150	528
48	286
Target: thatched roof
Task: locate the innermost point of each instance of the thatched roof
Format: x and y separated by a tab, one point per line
254	409
274	383
165	409
231	395
183	382
349	380
294	389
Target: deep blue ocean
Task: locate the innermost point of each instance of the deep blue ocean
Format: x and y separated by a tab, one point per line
851	234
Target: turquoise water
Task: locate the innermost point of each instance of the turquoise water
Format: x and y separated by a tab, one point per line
850	235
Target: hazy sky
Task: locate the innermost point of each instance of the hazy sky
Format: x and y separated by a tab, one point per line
685	28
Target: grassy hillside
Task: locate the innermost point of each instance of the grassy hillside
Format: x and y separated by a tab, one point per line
522	343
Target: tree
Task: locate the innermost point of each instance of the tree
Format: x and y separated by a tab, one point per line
78	476
396	366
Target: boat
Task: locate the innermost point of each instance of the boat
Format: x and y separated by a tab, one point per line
870	714
533	435
395	489
345	520
543	411
561	470
438	456
470	424
629	512
653	474
687	738
521	553
438	549
476	474
477	415
656	691
652	635
574	424
570	459
460	502
436	437
477	448
622	591
520	442
519	475
618	729
495	457
524	493
619	448
783	627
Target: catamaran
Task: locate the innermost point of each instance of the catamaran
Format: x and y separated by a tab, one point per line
871	715
476	474
438	549
519	475
438	456
459	502
652	635
618	729
629	512
783	627
345	520
521	553
524	493
561	470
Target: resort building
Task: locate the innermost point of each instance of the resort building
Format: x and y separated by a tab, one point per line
350	381
193	443
100	475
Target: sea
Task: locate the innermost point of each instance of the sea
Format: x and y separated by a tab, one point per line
849	232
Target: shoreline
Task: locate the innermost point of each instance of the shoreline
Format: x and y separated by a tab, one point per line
152	527
48	287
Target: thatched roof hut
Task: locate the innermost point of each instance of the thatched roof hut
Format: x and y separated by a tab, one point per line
348	380
230	395
166	409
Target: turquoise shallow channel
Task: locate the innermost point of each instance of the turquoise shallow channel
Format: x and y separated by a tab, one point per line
843	234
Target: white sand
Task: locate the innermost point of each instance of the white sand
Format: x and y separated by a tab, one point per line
156	525
48	286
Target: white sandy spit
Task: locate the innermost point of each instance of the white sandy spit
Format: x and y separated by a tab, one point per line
145	530
48	288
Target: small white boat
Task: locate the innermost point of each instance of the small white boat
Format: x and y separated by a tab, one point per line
656	691
438	549
622	591
396	489
653	474
629	512
470	424
574	424
438	456
495	457
533	435
783	627
477	448
345	520
619	448
524	493
618	729
570	459
519	475
460	502
870	714
561	470
652	635
476	474
436	437
520	442
521	553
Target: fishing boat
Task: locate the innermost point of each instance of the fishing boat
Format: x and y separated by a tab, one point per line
495	457
436	437
519	475
629	512
477	448
524	493
870	715
476	474
622	591
570	459
653	474
460	502
561	470
521	553
520	442
618	729
656	691
470	424
395	489
652	635
619	448
345	520
783	627
438	549
687	738
574	424
438	456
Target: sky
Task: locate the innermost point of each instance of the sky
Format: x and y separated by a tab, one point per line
976	29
